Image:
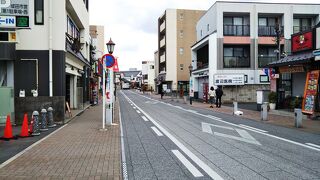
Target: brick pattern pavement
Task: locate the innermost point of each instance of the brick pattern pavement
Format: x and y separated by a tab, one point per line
78	151
312	126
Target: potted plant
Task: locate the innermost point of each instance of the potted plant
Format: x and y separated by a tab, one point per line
272	100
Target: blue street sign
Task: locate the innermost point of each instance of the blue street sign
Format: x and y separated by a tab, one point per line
109	60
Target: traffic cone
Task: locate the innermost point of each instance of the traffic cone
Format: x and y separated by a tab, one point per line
24	129
7	130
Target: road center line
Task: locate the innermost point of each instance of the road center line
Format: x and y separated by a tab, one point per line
194	171
195	159
156	131
249	127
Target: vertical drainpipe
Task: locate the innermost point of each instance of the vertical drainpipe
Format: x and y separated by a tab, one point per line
50	50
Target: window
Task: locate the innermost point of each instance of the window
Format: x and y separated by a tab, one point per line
245	78
151	66
181	33
301	24
264	78
181	51
181	16
72	29
236	57
38	12
208	27
200	33
236	26
181	67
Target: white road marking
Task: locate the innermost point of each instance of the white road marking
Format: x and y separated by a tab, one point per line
245	136
194	171
144	118
195	159
134	108
138	112
156	131
252	128
193	111
123	154
314	145
213	117
30	147
266	134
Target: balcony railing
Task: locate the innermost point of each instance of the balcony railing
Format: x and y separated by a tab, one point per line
265	60
236	62
268	30
297	29
201	65
236	30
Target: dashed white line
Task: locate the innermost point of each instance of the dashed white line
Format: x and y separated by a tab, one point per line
144	118
134	108
138	112
156	131
252	128
194	171
314	145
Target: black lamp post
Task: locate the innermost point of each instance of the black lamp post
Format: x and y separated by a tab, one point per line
190	69
110	46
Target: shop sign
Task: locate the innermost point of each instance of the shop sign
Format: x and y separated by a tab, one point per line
228	79
310	92
291	69
301	42
14	7
316	54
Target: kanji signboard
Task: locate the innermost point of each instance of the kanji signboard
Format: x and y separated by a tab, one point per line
228	79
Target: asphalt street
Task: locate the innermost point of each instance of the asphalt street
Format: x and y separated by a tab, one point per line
166	140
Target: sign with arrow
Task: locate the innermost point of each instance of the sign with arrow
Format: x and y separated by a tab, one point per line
244	135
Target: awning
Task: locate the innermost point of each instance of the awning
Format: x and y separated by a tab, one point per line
300	58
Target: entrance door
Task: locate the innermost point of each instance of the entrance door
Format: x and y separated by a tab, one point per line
205	91
7	104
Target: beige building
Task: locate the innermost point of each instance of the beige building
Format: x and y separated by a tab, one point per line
176	34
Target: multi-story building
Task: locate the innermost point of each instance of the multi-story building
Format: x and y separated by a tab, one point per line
156	70
176	33
97	51
148	75
238	38
50	57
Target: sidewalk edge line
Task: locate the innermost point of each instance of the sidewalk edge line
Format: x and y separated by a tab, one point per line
28	148
123	155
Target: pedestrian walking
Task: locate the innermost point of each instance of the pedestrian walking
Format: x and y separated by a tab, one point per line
212	95
219	94
191	96
161	93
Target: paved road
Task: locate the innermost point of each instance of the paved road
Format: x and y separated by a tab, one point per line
165	141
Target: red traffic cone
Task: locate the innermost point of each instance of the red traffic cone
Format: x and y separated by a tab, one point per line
7	130
24	129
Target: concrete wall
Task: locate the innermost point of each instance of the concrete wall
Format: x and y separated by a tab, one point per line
245	93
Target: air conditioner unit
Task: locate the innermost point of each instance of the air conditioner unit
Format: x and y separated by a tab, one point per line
82	40
8	36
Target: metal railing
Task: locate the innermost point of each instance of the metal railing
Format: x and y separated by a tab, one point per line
265	60
236	62
297	29
236	30
268	30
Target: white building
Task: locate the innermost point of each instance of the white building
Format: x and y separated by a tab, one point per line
52	56
238	38
148	75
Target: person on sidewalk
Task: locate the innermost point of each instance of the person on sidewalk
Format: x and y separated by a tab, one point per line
191	96
162	93
219	94
212	95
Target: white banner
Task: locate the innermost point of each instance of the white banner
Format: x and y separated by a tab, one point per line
228	79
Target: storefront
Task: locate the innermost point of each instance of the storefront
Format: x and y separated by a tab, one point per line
201	84
297	76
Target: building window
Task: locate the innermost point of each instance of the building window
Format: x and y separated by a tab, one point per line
208	27
3	73
245	78
264	78
267	25
200	33
236	57
301	24
266	55
181	51
236	26
181	16
38	12
72	29
181	33
151	66
181	67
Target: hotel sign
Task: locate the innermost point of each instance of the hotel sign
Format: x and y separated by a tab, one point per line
14	7
228	79
302	41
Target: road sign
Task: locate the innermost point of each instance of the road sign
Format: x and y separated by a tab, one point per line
245	136
109	60
7	21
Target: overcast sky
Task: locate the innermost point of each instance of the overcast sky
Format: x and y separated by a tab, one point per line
132	24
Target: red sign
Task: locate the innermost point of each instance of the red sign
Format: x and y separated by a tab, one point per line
115	66
301	42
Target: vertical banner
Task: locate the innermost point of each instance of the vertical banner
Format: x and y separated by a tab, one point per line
310	92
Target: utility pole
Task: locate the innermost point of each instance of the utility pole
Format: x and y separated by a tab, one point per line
277	29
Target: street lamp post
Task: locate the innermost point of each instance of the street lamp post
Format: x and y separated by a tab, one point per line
190	84
110	47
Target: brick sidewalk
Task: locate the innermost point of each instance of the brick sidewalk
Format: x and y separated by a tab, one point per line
77	151
312	126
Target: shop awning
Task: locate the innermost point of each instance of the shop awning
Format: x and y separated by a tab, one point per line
300	58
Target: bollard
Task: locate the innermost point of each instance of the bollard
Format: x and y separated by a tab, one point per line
35	128
184	99
264	111
50	118
235	107
44	120
297	118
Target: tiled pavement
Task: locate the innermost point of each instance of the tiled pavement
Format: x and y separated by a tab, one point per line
77	151
308	125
